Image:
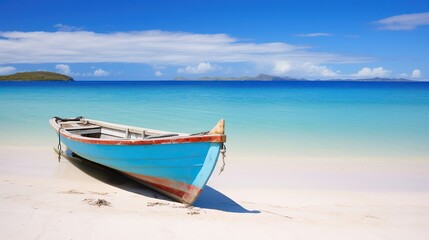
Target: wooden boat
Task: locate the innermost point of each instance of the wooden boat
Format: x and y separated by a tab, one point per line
175	164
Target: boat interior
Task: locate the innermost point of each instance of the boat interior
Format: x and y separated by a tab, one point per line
103	130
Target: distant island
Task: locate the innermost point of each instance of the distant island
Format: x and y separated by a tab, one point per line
266	77
52	76
36	76
260	77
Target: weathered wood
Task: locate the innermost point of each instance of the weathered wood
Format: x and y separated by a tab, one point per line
131	128
85	131
70	123
116	134
83	127
219	128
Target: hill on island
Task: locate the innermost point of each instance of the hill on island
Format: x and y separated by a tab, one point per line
260	77
266	77
36	76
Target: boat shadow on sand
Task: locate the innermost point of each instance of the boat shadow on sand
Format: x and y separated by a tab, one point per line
209	198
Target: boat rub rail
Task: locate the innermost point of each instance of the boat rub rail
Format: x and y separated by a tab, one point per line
191	139
64	128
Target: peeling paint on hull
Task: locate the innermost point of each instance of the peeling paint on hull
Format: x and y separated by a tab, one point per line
182	192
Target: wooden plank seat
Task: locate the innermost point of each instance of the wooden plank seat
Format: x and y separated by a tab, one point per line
108	133
83	129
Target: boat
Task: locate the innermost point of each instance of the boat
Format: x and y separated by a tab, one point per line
175	164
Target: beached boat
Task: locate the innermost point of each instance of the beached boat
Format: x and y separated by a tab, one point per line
175	164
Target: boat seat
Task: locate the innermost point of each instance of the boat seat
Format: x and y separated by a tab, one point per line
81	127
163	136
84	129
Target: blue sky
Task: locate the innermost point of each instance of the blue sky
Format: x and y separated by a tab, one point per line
143	40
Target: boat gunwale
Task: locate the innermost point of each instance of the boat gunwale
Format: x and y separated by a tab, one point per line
181	138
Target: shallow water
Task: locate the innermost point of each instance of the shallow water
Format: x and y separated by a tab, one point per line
277	120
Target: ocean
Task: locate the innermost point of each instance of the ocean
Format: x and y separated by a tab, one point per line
305	159
319	123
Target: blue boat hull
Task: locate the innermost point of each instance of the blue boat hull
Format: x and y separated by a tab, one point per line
179	170
176	164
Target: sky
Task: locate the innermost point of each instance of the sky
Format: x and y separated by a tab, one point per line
161	40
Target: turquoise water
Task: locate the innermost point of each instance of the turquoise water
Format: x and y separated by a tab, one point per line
282	120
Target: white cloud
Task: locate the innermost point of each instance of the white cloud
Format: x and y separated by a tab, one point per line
371	72
282	67
100	73
158	73
416	73
313	35
403	75
63	68
199	53
67	28
200	68
78	74
316	70
7	70
306	69
404	21
151	47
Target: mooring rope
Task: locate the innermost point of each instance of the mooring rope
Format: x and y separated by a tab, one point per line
223	152
59	144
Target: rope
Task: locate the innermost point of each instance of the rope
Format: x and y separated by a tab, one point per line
59	144
223	152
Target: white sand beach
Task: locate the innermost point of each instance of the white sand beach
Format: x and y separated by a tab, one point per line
41	198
